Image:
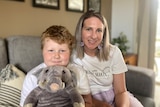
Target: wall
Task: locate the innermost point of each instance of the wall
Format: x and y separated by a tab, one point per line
21	18
124	19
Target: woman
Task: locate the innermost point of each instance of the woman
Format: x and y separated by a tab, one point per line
103	62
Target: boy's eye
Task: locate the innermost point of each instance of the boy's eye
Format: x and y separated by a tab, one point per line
62	50
50	50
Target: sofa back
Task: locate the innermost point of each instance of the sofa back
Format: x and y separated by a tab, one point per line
24	51
3	54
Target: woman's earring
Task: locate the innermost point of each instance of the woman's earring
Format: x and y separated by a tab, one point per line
82	44
99	47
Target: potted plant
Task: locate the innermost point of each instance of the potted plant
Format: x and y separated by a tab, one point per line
121	42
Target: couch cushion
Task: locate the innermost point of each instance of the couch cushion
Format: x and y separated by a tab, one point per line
3	54
24	51
11	81
146	101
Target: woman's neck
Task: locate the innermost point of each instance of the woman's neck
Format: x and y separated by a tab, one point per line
90	52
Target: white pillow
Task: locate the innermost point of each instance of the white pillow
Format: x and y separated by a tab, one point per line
11	81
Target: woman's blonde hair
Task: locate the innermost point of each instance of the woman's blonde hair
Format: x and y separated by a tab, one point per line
103	53
60	34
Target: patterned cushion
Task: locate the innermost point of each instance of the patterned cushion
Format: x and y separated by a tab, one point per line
11	81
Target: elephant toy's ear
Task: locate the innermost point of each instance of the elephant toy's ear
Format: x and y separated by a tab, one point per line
74	78
69	77
66	75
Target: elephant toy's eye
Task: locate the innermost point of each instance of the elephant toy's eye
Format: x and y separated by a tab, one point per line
63	72
46	70
44	80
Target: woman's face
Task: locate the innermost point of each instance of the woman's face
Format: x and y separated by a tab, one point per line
55	54
92	34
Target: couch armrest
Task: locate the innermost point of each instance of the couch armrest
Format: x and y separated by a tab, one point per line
3	54
140	81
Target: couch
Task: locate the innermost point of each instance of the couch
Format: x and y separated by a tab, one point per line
24	52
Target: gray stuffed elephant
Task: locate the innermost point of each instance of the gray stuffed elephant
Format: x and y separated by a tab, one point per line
56	88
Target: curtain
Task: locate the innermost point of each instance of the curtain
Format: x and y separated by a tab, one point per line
146	31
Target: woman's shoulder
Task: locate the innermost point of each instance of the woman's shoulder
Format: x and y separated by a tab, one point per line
113	47
114	50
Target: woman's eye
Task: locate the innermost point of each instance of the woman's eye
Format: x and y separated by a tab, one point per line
99	30
88	29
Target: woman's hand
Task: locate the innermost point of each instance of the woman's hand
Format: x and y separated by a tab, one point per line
87	100
98	103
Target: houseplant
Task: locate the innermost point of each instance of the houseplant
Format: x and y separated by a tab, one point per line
121	41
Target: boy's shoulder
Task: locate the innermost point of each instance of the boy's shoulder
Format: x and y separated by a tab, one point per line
74	66
35	69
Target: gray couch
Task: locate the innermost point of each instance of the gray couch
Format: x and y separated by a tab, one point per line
24	52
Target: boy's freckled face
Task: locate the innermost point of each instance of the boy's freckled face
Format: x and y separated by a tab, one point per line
55	54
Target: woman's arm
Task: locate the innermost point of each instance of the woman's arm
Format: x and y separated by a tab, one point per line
121	95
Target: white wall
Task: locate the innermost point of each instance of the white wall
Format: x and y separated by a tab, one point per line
124	19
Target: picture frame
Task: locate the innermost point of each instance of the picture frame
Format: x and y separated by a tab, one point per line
94	4
50	4
75	5
18	0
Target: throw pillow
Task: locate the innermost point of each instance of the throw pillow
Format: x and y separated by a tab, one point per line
11	81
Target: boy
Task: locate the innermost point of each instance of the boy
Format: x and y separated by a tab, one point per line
57	44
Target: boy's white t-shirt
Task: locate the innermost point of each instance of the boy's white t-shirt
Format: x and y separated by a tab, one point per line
30	81
100	73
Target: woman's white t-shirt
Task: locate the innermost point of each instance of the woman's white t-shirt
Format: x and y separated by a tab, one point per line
100	73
